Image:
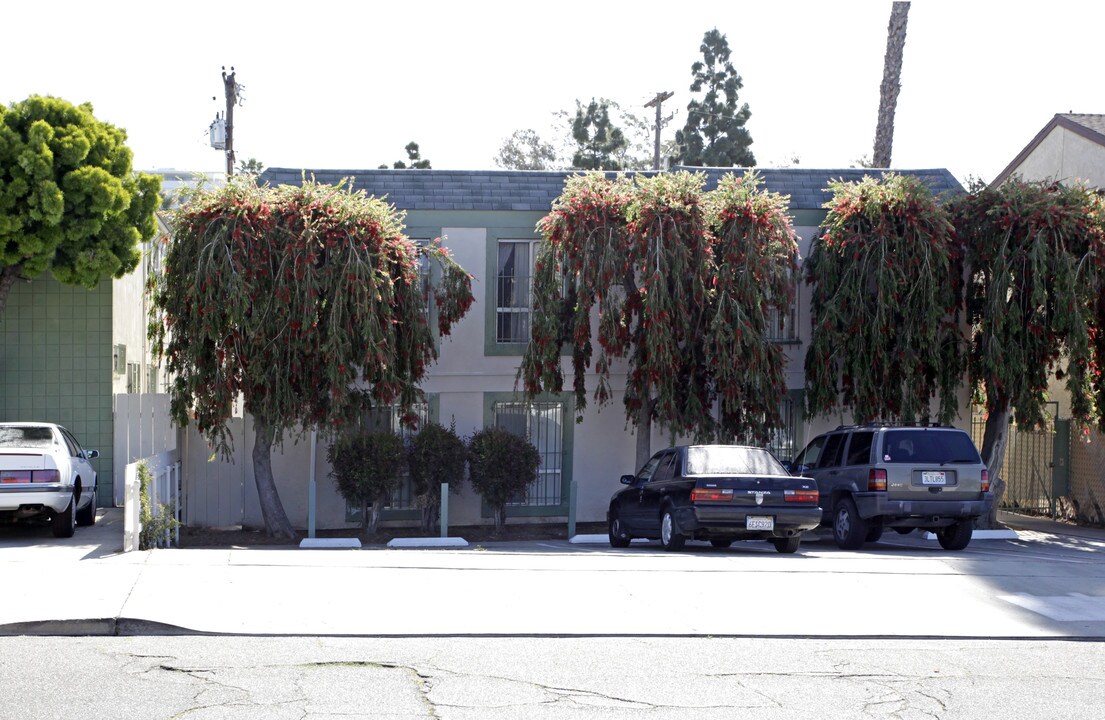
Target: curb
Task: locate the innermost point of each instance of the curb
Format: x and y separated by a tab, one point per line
94	627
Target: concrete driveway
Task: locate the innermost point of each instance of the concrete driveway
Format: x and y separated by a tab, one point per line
1040	585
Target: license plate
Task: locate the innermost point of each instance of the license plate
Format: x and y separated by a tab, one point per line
933	477
759	522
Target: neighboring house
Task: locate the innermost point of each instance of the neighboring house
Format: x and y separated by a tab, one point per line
1070	147
1044	470
67	352
489	219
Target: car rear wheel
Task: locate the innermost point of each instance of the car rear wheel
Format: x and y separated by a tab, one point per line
64	521
787	545
87	516
670	537
849	529
957	536
619	538
721	542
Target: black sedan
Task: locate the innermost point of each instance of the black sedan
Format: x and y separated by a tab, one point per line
719	493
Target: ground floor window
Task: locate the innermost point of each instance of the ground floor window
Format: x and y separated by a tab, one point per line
386	418
543	424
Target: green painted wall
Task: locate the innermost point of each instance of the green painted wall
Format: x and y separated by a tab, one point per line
55	364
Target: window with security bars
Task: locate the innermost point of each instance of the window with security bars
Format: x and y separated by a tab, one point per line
387	419
134	378
513	288
542	424
782	323
425	287
784	438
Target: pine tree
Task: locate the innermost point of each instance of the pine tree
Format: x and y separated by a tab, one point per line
598	140
714	134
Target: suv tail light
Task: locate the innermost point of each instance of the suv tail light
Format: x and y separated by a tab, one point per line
876	480
985	480
801	495
712	494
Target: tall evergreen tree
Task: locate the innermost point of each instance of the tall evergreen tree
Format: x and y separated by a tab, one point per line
598	141
714	134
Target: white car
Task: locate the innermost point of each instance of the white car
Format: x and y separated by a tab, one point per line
44	472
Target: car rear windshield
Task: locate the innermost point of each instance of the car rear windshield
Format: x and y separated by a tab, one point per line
21	437
929	446
724	460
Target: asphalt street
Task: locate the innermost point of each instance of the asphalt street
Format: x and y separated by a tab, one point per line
603	678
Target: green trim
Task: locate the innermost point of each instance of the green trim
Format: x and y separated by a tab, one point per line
806	217
567	429
491	268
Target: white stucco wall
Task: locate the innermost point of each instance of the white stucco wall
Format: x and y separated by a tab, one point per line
1065	156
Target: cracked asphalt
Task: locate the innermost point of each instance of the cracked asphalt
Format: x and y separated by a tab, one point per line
211	678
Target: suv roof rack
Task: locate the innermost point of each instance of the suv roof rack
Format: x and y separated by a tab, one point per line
893	423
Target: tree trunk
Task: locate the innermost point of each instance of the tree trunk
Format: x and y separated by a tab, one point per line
7	279
430	515
500	518
891	84
374	516
994	439
272	510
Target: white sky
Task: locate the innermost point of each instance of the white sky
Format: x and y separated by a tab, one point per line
332	84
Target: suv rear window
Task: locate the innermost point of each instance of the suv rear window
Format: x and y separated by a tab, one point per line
929	446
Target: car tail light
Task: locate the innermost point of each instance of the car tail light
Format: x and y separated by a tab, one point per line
985	480
30	476
800	496
876	480
712	494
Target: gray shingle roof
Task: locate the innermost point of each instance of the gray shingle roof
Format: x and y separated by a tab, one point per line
1095	123
536	190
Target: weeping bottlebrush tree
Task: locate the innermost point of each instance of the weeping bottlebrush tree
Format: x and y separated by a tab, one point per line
684	283
887	280
1035	255
306	301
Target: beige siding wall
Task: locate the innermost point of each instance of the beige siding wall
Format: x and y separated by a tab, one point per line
1065	156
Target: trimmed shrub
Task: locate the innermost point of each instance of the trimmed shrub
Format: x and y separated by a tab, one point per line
366	467
501	465
436	455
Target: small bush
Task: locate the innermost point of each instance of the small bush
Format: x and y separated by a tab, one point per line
152	525
366	467
436	455
501	465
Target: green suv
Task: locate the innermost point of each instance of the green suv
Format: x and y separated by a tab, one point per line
873	477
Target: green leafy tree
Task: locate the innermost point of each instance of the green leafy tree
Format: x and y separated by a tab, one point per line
525	150
1035	254
366	467
597	140
714	134
436	455
501	466
69	201
414	158
886	304
685	284
306	301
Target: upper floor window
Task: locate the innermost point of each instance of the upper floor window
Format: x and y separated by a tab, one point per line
513	290
782	324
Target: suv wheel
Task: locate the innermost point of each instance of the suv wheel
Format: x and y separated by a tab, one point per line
957	536
849	529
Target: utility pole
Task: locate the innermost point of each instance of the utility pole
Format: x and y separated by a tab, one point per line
657	102
232	88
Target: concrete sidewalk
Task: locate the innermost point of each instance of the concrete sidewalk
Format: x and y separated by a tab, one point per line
86	585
